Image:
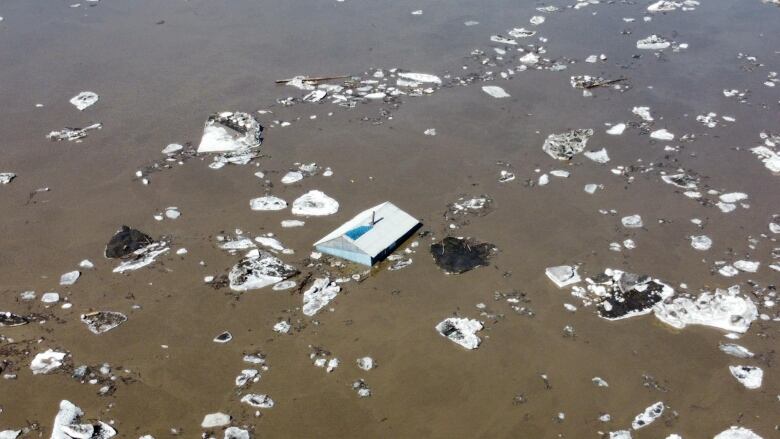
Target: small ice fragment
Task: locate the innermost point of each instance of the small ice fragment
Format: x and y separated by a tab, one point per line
735	350
99	322
591	188
86	264
246	376
620	434
563	275
495	91
632	221
566	145
284	285
662	134
214	420
643	112
314	203
70	277
648	416
267	203
319	295
84	99
236	433
599	156
223	337
701	242
430	132
747	266
537	20
50	297
617	129
6	177
461	331
46	362
733	197
653	42
560	173
543	180
261	401
735	432
292	223
172	212
365	363
172	148
749	376
361	388
420	77
292	177
282	327
600	382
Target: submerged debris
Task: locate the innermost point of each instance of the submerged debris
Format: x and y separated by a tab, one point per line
621	295
10	319
461	331
459	255
566	145
73	134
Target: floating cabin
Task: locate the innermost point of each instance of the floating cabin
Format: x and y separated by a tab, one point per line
370	236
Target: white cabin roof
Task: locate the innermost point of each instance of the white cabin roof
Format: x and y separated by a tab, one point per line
391	223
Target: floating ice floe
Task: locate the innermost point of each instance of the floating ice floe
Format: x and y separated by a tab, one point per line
215	420
648	416
662	134
599	156
617	129
747	266
701	242
563	275
103	321
461	331
267	203
632	222
6	177
735	432
66	425
735	350
681	180
223	337
84	100
260	401
653	42
70	277
314	203
620	434
142	257
566	145
292	177
246	376
292	223
620	295
230	132
495	91
172	148
136	248
73	134
46	362
725	309
591	188
319	295
749	376
257	270
50	297
459	255
537	20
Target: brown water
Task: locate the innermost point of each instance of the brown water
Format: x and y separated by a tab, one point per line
161	68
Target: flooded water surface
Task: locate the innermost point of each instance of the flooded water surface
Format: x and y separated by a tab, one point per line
596	187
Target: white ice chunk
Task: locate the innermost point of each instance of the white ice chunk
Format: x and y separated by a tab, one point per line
315	203
84	100
421	77
749	376
563	275
70	277
319	295
46	362
215	420
617	129
461	331
701	242
648	416
662	134
599	156
267	203
735	432
632	221
725	310
495	91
